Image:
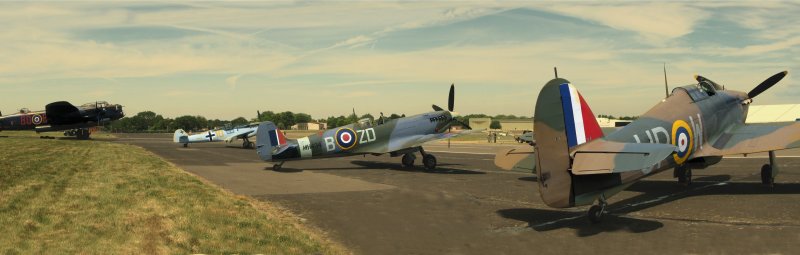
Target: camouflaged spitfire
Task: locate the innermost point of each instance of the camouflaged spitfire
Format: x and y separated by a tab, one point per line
398	137
693	128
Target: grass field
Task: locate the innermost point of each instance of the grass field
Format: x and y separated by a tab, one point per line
68	196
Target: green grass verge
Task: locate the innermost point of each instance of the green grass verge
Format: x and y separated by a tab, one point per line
69	196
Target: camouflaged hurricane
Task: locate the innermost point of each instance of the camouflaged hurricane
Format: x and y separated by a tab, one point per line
398	137
693	128
58	116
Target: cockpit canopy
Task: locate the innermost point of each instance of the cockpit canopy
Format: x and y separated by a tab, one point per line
24	110
99	104
698	91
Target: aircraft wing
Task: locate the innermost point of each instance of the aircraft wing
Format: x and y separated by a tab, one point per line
415	141
246	134
604	157
753	138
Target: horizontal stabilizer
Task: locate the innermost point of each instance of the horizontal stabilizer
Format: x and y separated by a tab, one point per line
517	159
605	157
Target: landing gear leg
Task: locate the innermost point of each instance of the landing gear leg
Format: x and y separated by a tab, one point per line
428	160
597	211
769	171
247	144
684	174
277	167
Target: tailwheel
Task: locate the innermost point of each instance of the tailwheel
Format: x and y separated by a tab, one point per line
408	160
684	175
766	175
429	161
597	211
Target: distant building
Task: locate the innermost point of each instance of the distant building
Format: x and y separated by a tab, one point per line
480	123
516	124
773	113
309	126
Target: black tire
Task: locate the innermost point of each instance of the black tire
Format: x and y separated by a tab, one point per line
276	167
766	175
185	145
408	160
430	162
684	176
595	214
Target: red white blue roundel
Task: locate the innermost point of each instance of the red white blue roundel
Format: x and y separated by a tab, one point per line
346	138
682	138
36	119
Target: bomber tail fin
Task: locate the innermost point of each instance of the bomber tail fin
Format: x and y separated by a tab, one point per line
268	137
562	121
180	136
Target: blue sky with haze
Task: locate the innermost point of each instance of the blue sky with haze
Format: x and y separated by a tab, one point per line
229	59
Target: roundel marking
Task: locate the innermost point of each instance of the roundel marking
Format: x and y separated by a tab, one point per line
682	137
346	138
36	119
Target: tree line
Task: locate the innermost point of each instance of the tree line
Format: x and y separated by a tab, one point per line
149	121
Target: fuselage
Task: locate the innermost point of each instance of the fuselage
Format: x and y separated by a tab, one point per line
688	119
222	134
85	116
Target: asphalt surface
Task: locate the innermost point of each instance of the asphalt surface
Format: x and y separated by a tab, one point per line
374	206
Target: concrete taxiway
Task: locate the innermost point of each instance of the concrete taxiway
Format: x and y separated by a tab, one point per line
374	206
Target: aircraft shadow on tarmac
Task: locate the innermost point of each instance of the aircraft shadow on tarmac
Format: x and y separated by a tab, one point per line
656	192
440	169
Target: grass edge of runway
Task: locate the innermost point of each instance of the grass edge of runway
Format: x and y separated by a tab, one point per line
97	197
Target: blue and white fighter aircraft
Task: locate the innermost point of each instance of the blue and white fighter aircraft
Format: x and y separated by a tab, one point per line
229	136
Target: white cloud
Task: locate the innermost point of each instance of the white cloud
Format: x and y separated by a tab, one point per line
655	22
232	80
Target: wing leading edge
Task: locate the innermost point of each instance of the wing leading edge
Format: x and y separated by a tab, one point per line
750	138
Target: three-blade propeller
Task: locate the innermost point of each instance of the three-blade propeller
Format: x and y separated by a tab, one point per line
450	106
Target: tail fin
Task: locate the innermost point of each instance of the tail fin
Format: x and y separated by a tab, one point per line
268	136
180	136
562	120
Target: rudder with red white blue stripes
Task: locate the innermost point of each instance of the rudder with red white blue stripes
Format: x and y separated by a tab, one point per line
580	123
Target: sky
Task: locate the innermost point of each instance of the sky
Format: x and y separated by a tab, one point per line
229	59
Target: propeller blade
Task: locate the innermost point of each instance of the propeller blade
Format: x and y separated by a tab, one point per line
259	115
464	124
766	84
437	108
451	98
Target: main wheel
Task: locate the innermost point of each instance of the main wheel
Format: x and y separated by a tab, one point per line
595	214
408	160
685	176
766	175
429	161
276	167
185	145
